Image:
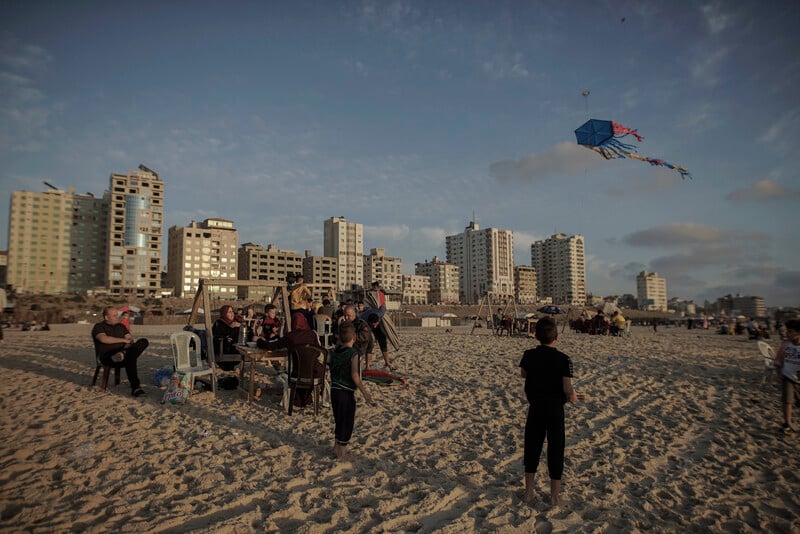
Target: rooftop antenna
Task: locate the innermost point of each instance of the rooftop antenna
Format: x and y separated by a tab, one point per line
51	186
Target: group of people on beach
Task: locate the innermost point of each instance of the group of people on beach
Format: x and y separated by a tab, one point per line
547	371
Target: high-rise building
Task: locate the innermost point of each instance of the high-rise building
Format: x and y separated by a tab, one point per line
202	250
485	259
525	284
560	265
750	306
651	291
386	270
136	209
415	289
56	241
443	279
270	264
40	225
88	261
345	242
321	274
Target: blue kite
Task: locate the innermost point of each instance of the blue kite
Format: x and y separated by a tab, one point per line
604	138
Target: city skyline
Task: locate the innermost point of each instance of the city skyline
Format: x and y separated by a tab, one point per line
408	118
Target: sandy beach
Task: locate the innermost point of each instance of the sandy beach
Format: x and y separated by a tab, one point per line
677	434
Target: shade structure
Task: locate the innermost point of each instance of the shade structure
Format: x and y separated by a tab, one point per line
551	310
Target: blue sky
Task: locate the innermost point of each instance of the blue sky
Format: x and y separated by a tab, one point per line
408	117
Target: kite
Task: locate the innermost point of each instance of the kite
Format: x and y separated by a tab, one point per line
604	138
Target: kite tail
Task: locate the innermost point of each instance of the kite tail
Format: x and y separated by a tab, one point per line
622	131
684	172
618	147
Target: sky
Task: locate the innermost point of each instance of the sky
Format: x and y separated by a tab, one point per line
414	118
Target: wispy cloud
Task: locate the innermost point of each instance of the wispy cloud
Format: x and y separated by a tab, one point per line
627	271
16	55
24	111
716	19
706	65
762	190
357	67
522	246
564	158
500	67
675	234
697	257
780	133
387	233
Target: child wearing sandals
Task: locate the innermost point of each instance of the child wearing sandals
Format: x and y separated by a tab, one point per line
345	379
548	385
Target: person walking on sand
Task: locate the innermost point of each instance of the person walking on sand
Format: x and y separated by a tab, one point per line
548	385
345	379
787	361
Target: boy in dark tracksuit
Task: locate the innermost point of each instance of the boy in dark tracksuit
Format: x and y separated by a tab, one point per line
345	379
548	385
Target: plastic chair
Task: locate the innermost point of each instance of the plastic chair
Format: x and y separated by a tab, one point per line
769	361
188	360
322	325
302	363
106	371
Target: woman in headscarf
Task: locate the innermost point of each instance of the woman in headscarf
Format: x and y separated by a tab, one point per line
226	333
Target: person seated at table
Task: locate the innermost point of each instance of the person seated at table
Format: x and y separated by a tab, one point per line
299	295
270	327
599	325
617	323
301	334
226	335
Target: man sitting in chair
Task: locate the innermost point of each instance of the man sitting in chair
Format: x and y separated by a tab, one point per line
111	338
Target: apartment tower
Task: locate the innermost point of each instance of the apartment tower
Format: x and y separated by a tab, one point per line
321	273
136	211
485	259
345	242
651	291
202	250
386	270
525	284
269	264
56	241
443	279
560	265
416	289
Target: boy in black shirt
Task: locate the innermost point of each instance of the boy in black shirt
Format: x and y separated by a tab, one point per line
548	385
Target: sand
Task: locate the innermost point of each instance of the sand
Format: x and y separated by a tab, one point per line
677	434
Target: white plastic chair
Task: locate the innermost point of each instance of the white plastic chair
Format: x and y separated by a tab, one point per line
769	361
322	325
188	360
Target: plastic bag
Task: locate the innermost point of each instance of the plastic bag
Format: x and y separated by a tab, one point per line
177	391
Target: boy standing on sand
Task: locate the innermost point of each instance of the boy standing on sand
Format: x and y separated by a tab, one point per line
548	385
345	379
787	361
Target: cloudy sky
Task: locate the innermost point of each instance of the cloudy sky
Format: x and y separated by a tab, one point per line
409	117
